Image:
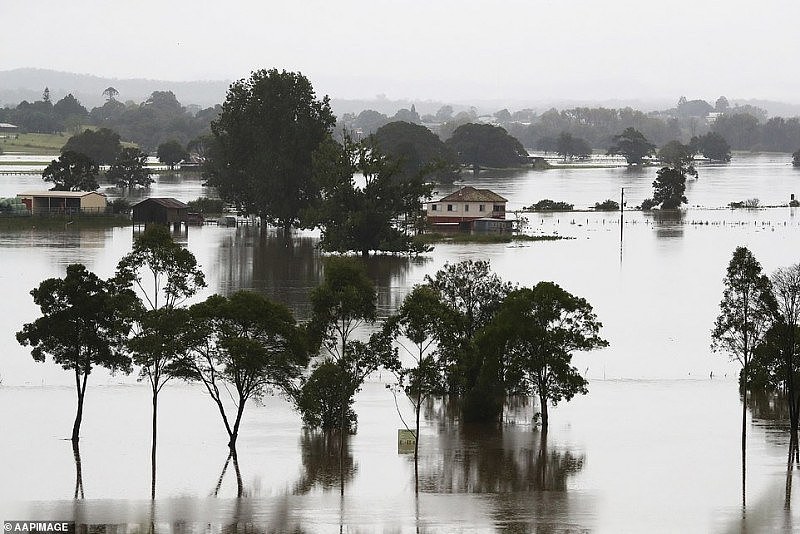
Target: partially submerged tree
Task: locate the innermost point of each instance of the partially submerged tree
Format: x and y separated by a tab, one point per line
484	145
269	127
380	215
72	171
418	151
712	146
472	294
129	169
668	188
166	274
171	153
420	320
539	329
746	311
344	301
568	146
101	145
632	144
678	156
84	323
241	347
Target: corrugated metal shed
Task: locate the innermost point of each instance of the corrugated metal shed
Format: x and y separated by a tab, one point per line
160	210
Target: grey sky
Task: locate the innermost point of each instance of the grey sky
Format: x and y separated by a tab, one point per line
449	50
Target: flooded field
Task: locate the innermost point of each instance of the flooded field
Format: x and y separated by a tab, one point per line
652	447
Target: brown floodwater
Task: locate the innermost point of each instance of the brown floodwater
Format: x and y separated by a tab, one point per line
653	447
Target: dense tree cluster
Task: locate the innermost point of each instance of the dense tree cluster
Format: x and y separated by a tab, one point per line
484	145
418	151
158	119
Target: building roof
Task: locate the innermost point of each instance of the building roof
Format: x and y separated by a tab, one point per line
59	194
7	125
470	194
170	203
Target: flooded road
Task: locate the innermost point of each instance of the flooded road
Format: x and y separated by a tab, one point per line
652	447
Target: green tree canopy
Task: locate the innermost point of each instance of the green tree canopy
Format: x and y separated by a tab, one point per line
472	294
244	344
269	127
69	106
129	169
379	215
101	145
568	146
418	151
632	144
72	171
668	188
678	156
539	329
484	145
712	146
84	323
171	152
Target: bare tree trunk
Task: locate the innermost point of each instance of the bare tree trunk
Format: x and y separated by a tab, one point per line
76	453
81	390
153	448
543	402
416	441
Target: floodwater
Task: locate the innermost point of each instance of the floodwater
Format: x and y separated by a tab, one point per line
653	447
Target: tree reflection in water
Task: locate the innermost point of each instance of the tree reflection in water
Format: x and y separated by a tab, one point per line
320	457
234	458
76	454
517	462
249	259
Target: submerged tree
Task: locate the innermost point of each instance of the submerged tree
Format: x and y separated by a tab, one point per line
171	153
379	215
344	301
678	156
668	188
72	171
420	319
632	144
539	329
241	347
173	272
264	138
129	169
746	310
84	323
472	294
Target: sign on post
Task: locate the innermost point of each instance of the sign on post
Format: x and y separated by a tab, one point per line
405	441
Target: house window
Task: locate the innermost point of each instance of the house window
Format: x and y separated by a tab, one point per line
449	207
482	207
498	207
433	207
466	207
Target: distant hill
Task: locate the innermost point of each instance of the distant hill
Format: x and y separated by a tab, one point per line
28	84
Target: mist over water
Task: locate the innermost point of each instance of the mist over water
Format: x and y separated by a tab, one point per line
653	446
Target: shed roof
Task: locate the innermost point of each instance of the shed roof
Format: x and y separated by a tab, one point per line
470	194
166	202
59	194
7	125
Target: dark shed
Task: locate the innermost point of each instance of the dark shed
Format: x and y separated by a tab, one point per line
160	210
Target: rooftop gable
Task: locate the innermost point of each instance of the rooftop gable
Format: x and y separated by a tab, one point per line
470	194
166	202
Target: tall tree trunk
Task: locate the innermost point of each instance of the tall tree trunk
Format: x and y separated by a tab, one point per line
416	441
153	448
744	430
80	386
76	453
234	434
543	402
239	484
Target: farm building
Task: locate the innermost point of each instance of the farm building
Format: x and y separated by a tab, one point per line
466	205
64	202
160	211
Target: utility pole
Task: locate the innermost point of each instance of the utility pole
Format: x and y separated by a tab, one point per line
621	220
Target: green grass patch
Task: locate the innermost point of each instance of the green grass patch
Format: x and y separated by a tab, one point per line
435	237
33	143
63	222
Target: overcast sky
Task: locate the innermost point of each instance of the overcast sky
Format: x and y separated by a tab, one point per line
445	50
